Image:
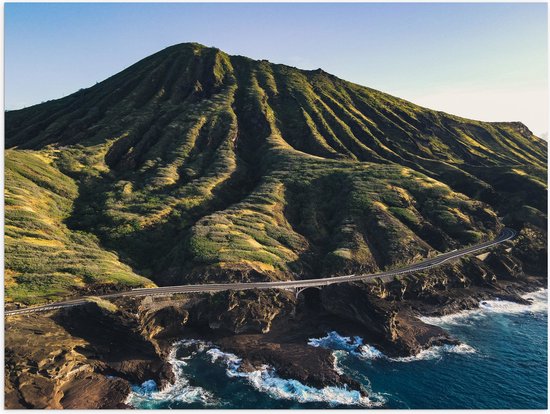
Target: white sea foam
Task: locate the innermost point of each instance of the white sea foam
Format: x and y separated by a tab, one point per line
353	345
266	380
336	362
436	352
335	341
148	395
539	303
370	352
356	347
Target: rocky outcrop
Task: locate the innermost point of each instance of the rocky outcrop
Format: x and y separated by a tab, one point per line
46	367
296	360
239	312
52	358
532	249
104	347
194	166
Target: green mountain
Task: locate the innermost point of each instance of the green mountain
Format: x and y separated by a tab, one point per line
196	166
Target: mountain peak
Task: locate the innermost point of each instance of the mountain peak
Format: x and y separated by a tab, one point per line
313	111
188	46
196	165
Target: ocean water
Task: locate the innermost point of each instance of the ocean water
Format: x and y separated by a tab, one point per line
502	363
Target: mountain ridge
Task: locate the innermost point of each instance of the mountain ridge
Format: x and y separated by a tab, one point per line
519	124
195	165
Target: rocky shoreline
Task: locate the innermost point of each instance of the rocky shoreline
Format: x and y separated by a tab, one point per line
51	358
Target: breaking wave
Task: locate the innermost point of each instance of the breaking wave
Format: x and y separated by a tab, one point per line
335	341
264	379
436	352
354	345
147	395
539	303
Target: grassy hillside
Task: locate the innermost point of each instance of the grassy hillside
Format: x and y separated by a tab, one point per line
193	165
45	260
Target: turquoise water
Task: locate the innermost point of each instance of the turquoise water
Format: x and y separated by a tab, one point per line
502	364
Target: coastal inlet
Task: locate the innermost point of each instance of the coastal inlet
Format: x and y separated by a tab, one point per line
497	366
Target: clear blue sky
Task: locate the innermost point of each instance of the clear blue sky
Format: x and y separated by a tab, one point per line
484	61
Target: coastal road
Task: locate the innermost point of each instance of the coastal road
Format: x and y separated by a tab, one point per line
296	285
